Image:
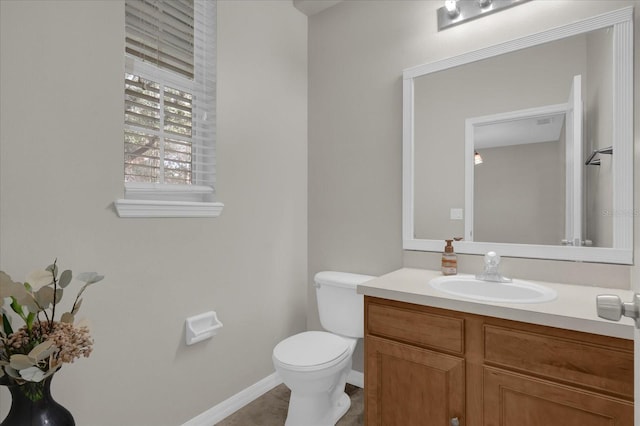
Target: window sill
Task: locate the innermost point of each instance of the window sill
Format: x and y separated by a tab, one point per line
147	200
154	208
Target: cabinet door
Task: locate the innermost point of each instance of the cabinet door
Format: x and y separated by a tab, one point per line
406	385
516	399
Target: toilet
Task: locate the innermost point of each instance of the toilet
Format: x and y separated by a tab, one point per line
315	364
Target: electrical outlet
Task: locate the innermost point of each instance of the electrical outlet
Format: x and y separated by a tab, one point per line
457	214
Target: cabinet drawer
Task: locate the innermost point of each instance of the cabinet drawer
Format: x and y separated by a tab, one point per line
416	327
606	369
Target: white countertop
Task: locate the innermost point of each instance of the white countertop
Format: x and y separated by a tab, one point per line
573	309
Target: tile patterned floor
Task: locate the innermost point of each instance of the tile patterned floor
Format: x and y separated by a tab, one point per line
271	409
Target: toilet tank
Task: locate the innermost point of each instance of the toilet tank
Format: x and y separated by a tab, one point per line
340	307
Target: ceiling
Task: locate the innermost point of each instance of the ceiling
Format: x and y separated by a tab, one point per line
311	7
525	130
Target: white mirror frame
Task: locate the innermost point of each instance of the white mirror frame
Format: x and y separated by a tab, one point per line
622	251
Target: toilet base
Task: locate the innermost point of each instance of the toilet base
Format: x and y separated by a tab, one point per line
329	416
317	393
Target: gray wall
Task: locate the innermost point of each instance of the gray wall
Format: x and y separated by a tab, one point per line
357	52
355	117
518	194
61	169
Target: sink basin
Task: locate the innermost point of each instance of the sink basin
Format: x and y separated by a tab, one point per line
469	287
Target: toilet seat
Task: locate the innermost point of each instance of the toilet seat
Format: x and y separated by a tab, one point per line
311	350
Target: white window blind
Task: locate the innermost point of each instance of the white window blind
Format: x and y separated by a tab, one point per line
161	32
169	106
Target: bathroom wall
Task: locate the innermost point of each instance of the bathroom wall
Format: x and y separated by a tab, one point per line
520	181
357	51
61	70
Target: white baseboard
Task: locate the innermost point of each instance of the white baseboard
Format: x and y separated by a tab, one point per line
356	378
229	406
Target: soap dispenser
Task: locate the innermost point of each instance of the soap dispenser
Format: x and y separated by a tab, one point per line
449	260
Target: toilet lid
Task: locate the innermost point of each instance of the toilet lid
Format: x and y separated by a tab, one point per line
310	348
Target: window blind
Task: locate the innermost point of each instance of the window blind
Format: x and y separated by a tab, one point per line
161	32
170	92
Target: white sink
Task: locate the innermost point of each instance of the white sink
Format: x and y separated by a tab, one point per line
469	287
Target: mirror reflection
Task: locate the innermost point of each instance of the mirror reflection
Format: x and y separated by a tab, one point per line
523	164
516	147
519	197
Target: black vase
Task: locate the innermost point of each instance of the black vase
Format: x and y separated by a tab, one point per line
33	405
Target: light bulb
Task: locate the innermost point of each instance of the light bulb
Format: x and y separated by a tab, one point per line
477	158
452	8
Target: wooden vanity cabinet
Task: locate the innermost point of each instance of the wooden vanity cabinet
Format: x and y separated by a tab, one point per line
407	382
427	366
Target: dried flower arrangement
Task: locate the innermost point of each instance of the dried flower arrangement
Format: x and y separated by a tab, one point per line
36	350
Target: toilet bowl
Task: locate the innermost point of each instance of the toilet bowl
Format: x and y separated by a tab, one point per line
315	364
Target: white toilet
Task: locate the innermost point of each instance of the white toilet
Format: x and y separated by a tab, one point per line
315	364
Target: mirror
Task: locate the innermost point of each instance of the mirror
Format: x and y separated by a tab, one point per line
555	180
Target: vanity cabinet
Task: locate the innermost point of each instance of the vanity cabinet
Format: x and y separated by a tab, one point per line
430	366
406	381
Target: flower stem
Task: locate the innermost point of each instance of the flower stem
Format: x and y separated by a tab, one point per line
33	390
55	291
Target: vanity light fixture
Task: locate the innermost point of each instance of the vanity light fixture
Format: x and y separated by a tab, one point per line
455	12
477	158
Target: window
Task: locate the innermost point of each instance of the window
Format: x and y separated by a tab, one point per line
169	109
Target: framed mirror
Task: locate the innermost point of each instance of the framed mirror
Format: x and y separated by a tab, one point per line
526	147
